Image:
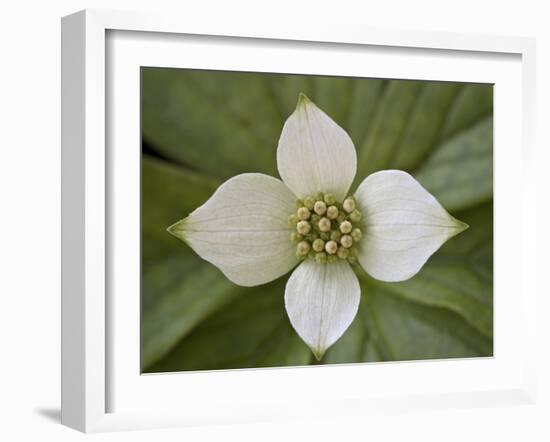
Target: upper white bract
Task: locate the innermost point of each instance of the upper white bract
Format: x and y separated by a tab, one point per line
242	229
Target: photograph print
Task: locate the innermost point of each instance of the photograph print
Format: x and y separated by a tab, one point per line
291	220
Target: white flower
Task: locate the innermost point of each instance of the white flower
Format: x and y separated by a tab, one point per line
253	231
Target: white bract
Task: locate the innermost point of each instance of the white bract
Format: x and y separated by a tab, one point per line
255	228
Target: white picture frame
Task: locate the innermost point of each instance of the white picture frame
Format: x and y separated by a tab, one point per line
90	358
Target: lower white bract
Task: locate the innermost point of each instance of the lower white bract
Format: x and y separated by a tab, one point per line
253	231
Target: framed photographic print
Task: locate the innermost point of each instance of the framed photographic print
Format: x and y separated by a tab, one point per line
251	213
414	138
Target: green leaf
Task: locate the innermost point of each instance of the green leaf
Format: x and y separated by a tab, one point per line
459	173
403	330
284	90
388	127
390	328
473	103
364	100
219	126
177	295
253	331
409	120
424	124
335	94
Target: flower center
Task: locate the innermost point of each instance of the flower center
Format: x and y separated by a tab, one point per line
326	230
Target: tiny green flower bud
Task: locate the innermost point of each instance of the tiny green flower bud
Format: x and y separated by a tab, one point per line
332	212
335	235
325	236
309	202
303	213
312	236
295	236
292	220
341	217
318	245
298	203
346	241
320	208
302	248
342	253
345	227
349	205
353	254
324	224
355	216
315	219
356	234
303	227
332	259
329	199
321	258
331	247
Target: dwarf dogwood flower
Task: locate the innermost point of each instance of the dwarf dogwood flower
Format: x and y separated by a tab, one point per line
256	228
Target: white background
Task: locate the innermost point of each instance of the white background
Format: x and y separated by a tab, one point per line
29	218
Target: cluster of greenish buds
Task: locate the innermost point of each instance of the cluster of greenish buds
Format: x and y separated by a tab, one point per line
326	230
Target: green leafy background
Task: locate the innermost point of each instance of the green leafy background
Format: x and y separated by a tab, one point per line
201	127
